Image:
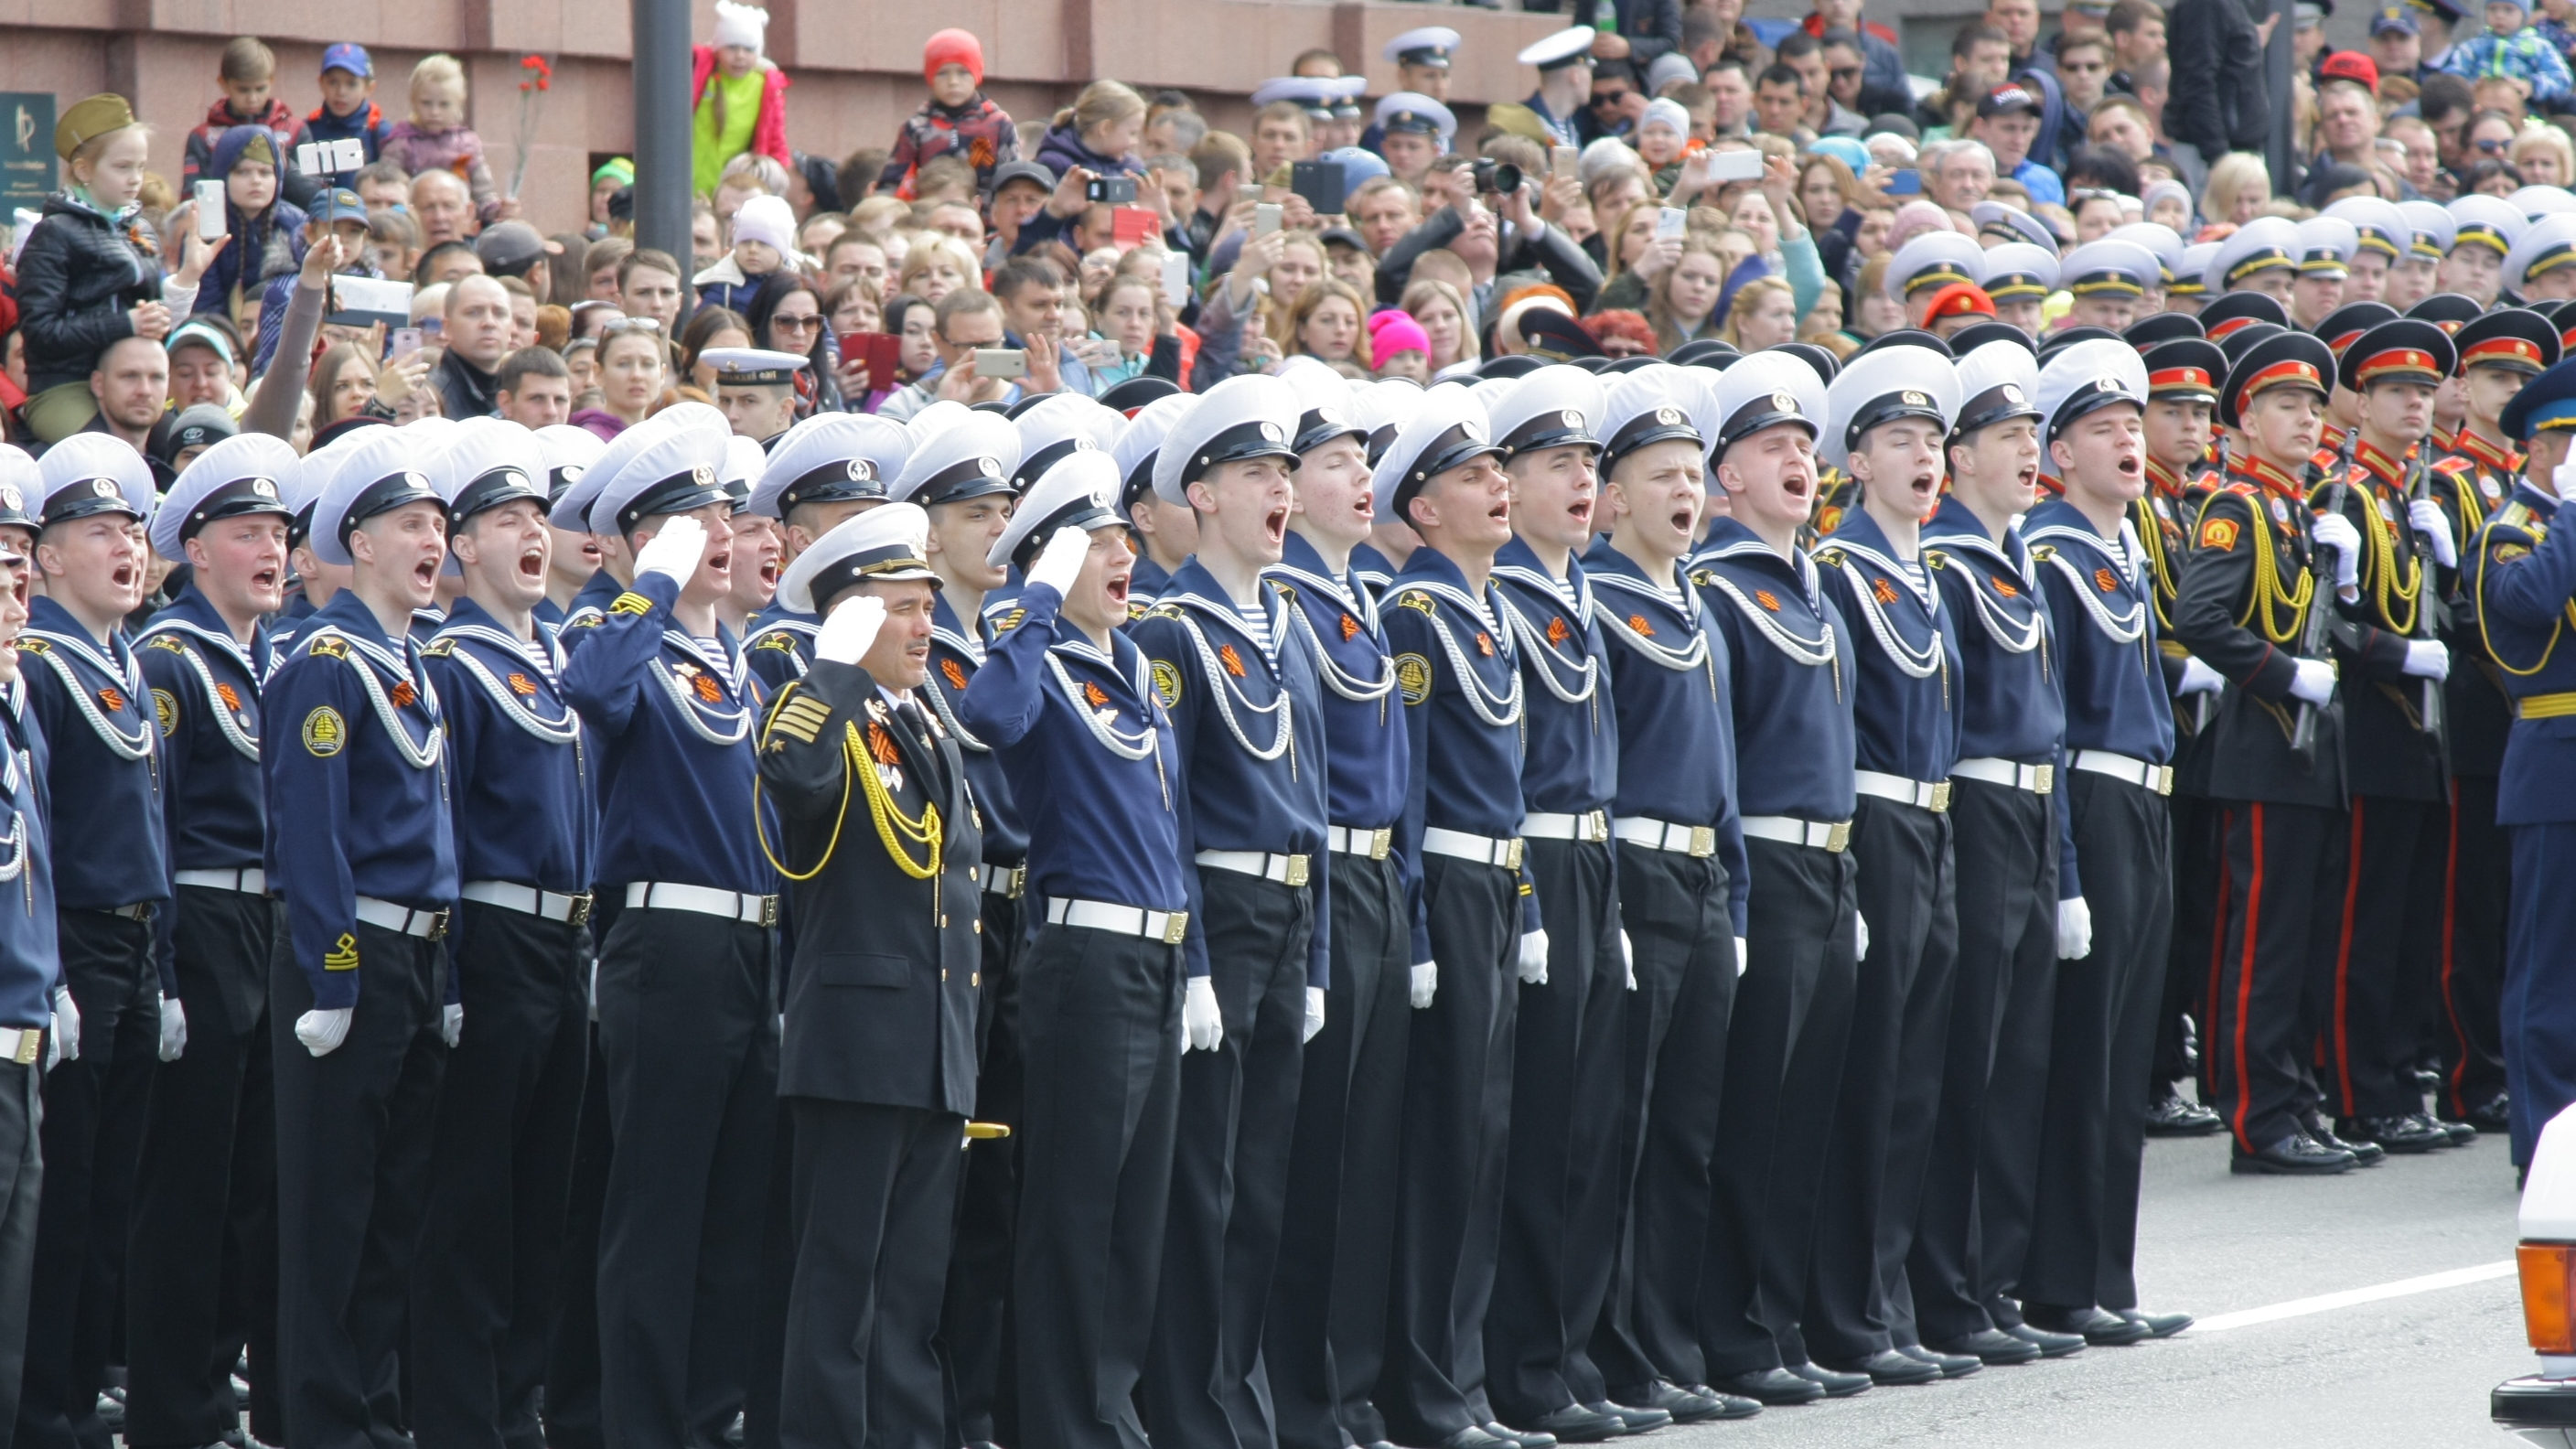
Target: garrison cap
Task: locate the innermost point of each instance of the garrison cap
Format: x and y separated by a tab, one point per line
1075	493
882	545
1241	418
967	458
831	458
245	473
90	473
2087	377
1998	381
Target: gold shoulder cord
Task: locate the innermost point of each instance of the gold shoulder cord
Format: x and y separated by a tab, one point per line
2163	584
892	826
2267	598
2383	569
2557	627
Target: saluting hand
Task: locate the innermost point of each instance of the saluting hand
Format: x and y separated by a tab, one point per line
849	629
1060	562
675	551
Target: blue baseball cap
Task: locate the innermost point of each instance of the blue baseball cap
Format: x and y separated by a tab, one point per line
351	57
337	204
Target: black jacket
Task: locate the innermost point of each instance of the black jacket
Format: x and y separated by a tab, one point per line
2218	103
883	993
464	390
1653	28
77	278
1565	263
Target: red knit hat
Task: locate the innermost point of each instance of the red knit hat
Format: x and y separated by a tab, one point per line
953	47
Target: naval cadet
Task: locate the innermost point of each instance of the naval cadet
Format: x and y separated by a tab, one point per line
2007	823
2488	228
685	989
569	452
878	1081
1242	692
2521	584
2325	248
1069	703
1793	686
2261	256
87	691
1683	885
29	962
1564	63
571	510
207	1186
756	390
2079	1275
483	1287
1163	536
827	469
359	982
2107	280
313	583
1324	1336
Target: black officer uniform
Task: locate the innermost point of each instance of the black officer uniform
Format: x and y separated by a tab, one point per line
202	1265
830	460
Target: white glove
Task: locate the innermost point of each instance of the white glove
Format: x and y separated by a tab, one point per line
323	1031
850	628
2429	520
2562	481
451	1023
2074	929
2334	531
2315	682
2199	678
66	1025
2428	659
1314	1013
1060	562
1426	984
1202	1025
1534	958
1628	959
1860	937
675	551
1743	955
174	1029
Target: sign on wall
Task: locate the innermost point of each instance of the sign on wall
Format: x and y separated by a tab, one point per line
26	149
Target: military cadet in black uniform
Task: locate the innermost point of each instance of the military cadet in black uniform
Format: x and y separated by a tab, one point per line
1682	889
29	962
85	686
877	1059
1070	704
1891	412
1793	1006
202	1271
831	467
1324	1338
2270	755
521	787
2499	354
685	990
366	861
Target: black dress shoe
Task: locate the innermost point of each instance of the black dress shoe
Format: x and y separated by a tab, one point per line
1836	1384
1988	1345
1633	1420
2100	1328
1951	1365
1526	1438
2297	1155
2159	1325
1679	1405
2365	1153
2050	1345
1473	1438
2495	1114
2397	1134
2171	1116
1887	1366
1575	1424
1773	1386
1729	1406
2460	1133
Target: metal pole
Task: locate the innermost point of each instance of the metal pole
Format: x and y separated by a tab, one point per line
2280	154
662	160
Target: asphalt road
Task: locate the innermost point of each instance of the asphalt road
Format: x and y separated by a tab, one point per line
2405	1372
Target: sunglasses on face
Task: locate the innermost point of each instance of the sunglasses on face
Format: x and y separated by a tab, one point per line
1845	72
799	324
2493	147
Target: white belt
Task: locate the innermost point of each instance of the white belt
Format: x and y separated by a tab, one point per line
509	895
1287	870
24	1045
1006	881
250	880
1348	840
741	906
1168	927
1482	849
402	920
1790	830
2158	778
2037	779
1693	840
1934	797
1592	826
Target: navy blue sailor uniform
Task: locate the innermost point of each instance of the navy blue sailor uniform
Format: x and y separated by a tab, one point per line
30	970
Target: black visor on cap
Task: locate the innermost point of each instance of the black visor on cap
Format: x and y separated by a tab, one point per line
1316	427
300	527
384	495
963	479
1655	425
1243	441
1081	513
84	498
1551	428
2091	397
1140	481
1453	449
1381	440
678	493
1034	466
491	490
1887	408
1769	410
895	563
2000	403
842	480
232	500
559	479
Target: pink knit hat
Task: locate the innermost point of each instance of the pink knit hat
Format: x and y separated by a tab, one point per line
1391	332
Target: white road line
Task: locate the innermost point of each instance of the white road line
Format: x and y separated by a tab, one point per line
2328	1302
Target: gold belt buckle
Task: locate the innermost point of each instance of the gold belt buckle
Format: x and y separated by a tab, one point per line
2044	779
1512	853
1299	868
1380	842
1703	840
580	913
768	910
1019	881
2164	779
1838	836
30	1045
437	926
1176	927
1596	826
1941	797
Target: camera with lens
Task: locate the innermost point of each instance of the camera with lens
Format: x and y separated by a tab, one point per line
1496	178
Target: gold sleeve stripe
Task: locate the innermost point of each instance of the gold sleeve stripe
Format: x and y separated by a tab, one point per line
631	604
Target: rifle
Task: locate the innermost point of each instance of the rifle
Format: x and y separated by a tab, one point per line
2205	707
2432	614
2317	640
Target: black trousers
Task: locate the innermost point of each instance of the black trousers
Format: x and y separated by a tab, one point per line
483	1291
1561	1193
572	1352
1101	1020
201	1264
2388	924
1674	908
876	1202
1457	1114
2084	1241
975	1323
93	1138
2199	863
22	1181
1784	1059
2005	843
1890	1090
1238	1117
2271	977
353	1155
687	1025
2477	901
1324	1337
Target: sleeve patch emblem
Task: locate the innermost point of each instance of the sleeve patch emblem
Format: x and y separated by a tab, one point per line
631	604
1167	684
325	733
165	707
343	955
1413	676
2218	533
2508	552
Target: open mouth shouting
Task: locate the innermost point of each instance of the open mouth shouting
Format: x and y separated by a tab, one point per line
424	573
532	564
1274	528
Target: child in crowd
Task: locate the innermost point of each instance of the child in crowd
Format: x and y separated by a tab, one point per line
1401	347
435	136
348	110
2511	51
267	231
956	120
248	74
1664	139
738	98
764	231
